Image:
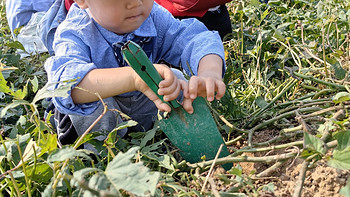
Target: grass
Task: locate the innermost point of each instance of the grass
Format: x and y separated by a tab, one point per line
287	71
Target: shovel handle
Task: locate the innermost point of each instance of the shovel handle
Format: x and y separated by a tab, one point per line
138	60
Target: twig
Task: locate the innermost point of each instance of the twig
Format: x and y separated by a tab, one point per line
228	143
233	127
265	123
258	113
326	110
278	138
212	167
266	159
82	137
264	149
229	159
333	85
270	170
300	183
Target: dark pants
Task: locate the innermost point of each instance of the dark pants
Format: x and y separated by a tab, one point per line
218	20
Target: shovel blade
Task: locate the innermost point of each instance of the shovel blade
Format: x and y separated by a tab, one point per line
196	135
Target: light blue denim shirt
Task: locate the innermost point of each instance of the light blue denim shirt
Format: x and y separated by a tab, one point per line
81	45
19	12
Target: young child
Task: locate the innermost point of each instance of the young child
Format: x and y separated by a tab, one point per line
87	48
213	14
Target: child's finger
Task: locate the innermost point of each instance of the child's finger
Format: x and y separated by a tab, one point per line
184	88
161	106
193	87
171	92
221	89
167	75
210	89
187	105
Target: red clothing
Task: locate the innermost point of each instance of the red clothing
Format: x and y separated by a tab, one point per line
68	3
194	8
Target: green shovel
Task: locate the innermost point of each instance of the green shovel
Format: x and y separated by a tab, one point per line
195	135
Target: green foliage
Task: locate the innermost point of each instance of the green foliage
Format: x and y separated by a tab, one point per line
287	71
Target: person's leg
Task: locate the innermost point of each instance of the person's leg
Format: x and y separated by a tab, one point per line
107	123
218	20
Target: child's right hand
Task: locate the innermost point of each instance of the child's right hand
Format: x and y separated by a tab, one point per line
170	87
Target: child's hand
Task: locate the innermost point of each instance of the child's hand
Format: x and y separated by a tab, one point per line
208	83
170	87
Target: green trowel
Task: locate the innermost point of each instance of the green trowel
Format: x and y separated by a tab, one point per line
196	135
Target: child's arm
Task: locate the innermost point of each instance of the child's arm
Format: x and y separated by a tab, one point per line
207	83
114	81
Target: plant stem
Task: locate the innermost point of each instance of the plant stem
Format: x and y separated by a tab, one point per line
324	53
259	112
334	108
265	123
211	168
54	185
229	159
300	183
333	85
28	183
15	184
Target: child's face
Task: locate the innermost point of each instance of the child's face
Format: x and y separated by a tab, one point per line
119	16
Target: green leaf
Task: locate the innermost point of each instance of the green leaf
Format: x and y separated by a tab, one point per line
3	85
14	104
61	91
89	137
20	94
341	97
16	45
133	177
343	139
43	172
35	83
153	146
260	101
236	171
112	136
226	194
80	174
339	71
11	151
49	144
100	182
346	189
149	136
314	143
255	3
340	159
66	153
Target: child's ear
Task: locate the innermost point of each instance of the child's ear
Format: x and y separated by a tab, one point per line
81	3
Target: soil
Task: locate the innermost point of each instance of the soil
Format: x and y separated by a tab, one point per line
320	180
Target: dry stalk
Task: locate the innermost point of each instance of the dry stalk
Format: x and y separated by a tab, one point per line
54	185
300	182
212	167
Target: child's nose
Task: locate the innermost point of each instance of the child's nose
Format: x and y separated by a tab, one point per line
133	4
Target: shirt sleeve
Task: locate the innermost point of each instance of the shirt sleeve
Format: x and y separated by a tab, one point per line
186	42
71	61
19	12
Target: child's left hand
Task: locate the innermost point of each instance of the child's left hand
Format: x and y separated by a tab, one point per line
207	84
